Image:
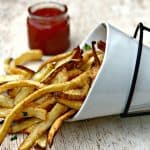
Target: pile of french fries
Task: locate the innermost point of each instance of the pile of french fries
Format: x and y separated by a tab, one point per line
38	102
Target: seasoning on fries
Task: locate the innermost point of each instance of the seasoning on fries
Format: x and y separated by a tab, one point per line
38	102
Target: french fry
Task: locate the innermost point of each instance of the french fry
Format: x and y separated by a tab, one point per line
36	77
30	129
41	142
56	59
13	92
32	112
27	112
4	112
28	70
42	73
10	68
41	98
70	103
56	111
28	56
57	124
8	78
5	101
78	81
74	94
54	72
59	77
97	61
23	93
21	83
21	125
49	102
73	73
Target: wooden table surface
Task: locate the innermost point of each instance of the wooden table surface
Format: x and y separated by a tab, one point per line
107	133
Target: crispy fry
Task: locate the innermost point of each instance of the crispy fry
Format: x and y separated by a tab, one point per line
78	81
13	92
24	92
42	72
28	56
57	124
8	78
4	112
25	69
63	58
56	111
73	73
27	112
30	129
101	45
47	103
60	84
54	72
41	142
74	94
22	83
43	99
94	54
70	103
33	112
10	68
56	58
88	54
5	101
59	77
36	77
21	125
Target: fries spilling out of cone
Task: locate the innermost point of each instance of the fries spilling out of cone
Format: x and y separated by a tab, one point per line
38	102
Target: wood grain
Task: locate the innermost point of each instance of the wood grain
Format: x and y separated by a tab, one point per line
108	133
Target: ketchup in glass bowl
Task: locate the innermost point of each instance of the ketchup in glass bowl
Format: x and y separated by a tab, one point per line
48	27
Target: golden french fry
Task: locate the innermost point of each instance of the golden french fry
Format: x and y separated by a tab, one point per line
74	94
57	124
59	77
70	103
41	142
73	73
61	83
42	73
43	99
28	56
56	111
21	83
21	125
5	101
28	70
30	129
68	64
24	92
8	78
33	112
10	68
27	112
13	92
4	112
76	82
56	58
89	53
48	102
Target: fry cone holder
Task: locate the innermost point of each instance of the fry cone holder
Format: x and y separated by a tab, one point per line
122	84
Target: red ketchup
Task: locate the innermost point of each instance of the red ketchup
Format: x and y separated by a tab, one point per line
48	27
